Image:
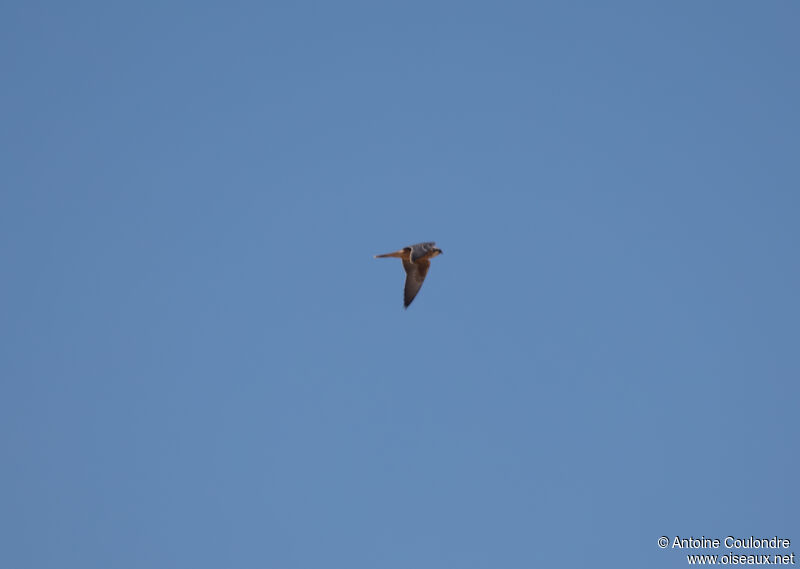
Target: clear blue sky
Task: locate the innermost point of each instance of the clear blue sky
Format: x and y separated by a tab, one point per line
203	366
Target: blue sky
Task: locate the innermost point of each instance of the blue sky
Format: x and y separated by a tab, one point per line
203	366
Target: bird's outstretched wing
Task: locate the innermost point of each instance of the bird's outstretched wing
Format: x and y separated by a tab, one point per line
415	275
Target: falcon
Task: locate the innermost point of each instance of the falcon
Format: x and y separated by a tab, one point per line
416	261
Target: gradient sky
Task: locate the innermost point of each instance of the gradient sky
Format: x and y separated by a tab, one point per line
201	364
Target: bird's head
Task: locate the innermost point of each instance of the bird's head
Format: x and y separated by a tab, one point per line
436	251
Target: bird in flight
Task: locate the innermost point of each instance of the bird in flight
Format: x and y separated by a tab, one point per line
416	261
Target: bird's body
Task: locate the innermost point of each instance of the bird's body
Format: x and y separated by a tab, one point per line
416	261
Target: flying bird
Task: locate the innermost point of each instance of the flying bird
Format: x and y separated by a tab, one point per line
416	261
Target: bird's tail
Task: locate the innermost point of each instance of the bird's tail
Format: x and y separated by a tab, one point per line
395	254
